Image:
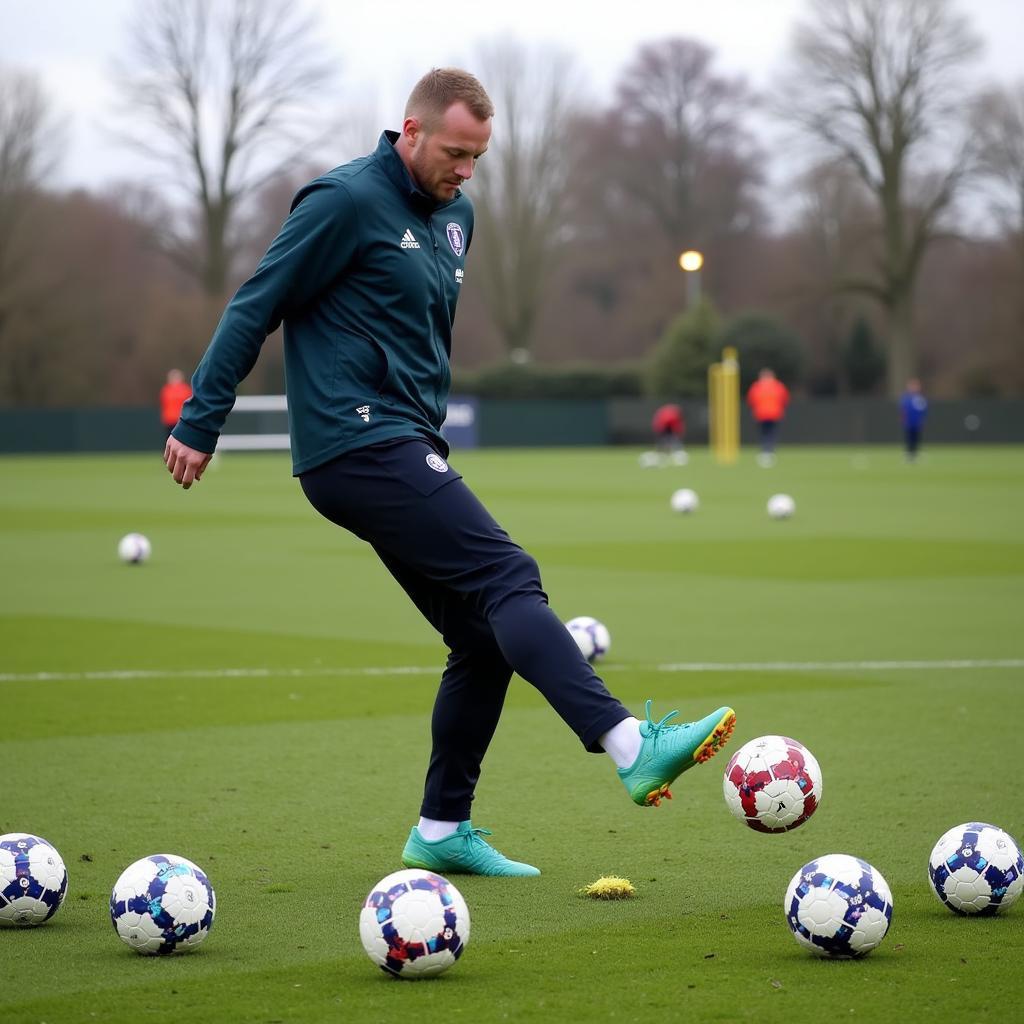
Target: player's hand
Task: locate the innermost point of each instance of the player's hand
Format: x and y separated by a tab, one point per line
185	464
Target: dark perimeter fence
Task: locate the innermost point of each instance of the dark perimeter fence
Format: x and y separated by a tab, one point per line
492	422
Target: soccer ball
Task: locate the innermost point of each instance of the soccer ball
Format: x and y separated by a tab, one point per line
592	637
976	869
414	924
134	548
684	500
781	506
772	784
33	880
162	903
838	906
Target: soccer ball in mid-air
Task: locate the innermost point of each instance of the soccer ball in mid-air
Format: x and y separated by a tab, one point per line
838	906
162	903
592	637
781	506
976	868
684	500
772	784
134	548
33	880
414	924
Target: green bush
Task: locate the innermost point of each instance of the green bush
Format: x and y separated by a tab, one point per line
762	341
678	367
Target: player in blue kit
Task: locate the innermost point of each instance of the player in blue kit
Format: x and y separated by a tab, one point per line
365	275
913	413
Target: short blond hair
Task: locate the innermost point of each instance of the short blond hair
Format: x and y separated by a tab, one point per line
439	88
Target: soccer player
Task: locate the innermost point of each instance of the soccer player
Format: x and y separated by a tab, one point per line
767	398
913	412
669	426
173	395
365	275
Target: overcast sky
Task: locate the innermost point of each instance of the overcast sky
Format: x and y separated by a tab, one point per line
383	46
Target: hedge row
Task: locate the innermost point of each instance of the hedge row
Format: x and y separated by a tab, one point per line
531	381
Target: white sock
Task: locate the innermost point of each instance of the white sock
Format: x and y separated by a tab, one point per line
432	830
622	742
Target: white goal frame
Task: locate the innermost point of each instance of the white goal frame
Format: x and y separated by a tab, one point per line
256	442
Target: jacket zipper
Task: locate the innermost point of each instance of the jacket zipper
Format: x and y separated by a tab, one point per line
446	376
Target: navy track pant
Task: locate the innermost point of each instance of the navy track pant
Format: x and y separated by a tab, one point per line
482	593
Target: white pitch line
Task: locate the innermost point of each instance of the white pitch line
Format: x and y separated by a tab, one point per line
838	666
212	673
410	670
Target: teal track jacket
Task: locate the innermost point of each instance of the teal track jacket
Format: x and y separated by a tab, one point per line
365	275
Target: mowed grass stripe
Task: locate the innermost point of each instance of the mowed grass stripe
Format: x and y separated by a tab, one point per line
418	670
288	821
296	792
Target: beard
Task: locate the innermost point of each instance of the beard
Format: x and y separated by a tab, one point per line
431	181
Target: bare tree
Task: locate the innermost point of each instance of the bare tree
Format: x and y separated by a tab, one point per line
668	165
878	84
835	230
29	139
674	150
30	136
999	126
521	186
225	88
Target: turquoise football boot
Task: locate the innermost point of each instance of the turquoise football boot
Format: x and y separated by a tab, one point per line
464	852
669	750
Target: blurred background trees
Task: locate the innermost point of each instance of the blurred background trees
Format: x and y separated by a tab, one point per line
883	233
879	86
218	96
29	143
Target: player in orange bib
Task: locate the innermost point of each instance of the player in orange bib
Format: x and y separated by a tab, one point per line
173	395
767	398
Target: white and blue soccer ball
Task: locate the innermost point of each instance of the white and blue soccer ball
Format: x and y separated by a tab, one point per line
976	868
684	501
781	506
161	904
33	880
838	906
414	924
134	548
592	637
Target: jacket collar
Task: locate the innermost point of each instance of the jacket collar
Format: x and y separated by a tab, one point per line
400	177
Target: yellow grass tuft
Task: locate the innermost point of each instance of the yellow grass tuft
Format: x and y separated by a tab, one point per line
609	887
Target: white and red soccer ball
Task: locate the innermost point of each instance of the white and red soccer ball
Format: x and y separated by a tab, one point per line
772	784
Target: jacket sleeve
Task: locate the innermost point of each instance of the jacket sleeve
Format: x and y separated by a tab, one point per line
317	242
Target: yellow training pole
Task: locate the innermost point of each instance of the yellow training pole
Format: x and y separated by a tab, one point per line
724	407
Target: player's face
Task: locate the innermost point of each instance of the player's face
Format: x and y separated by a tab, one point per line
442	159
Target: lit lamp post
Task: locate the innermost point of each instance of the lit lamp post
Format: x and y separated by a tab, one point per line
691	261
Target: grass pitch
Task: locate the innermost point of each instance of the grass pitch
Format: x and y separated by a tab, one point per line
256	698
